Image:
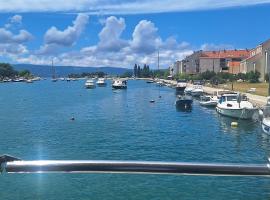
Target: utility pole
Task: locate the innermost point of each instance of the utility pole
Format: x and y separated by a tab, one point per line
267	70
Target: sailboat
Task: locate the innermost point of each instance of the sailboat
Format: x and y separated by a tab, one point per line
54	79
159	82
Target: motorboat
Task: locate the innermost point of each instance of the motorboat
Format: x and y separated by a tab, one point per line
150	81
197	91
209	101
101	82
90	84
266	117
119	84
29	81
235	105
188	90
184	101
181	86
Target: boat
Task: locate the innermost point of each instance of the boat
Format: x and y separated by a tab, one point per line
197	91
209	101
54	79
266	117
101	82
184	101
29	81
235	105
119	84
181	86
150	81
89	84
188	90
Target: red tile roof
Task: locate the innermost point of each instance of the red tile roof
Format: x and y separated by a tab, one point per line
226	54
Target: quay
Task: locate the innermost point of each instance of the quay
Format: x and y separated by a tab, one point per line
255	99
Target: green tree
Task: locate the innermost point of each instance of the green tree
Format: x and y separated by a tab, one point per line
139	72
6	70
24	73
253	77
135	70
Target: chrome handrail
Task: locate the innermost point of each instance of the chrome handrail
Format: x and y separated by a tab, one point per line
99	166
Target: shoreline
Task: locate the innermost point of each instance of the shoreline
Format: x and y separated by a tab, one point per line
255	99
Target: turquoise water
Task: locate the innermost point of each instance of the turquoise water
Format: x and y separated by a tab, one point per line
122	125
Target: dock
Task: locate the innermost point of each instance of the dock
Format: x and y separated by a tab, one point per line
253	98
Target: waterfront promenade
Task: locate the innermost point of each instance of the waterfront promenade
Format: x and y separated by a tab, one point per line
256	99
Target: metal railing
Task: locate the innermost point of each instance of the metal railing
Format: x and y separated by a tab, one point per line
13	165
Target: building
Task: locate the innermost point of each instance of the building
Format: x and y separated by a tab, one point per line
176	68
222	61
258	60
217	61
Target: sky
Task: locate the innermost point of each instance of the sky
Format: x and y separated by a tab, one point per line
120	33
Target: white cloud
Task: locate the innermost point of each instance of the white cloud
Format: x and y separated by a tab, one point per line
120	6
68	36
17	19
215	47
112	49
12	44
55	39
110	34
14	21
145	37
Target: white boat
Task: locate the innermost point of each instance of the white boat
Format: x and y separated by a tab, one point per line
188	90
119	84
181	86
101	82
235	105
266	117
89	84
209	101
197	90
29	81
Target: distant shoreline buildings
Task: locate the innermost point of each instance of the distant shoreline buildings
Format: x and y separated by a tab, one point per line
230	61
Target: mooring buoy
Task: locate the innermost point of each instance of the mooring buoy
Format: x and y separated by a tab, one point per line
234	124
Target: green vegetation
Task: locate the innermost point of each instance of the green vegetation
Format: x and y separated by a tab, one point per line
7	71
222	77
145	72
90	75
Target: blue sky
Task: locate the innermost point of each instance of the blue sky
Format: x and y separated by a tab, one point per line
121	33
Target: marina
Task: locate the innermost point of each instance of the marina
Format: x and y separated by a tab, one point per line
132	129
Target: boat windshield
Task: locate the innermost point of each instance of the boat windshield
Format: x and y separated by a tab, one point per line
231	98
266	111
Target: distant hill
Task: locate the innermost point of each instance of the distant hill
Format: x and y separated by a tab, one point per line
62	71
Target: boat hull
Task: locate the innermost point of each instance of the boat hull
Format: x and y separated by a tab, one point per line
196	93
119	86
101	84
184	103
180	89
90	86
242	113
208	103
266	126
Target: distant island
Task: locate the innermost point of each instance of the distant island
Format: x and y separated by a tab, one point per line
65	71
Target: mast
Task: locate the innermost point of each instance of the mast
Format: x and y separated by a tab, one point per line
158	78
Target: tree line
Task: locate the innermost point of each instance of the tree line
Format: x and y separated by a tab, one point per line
146	72
7	71
222	77
98	74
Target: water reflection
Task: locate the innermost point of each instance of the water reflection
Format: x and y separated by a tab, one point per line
183	109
